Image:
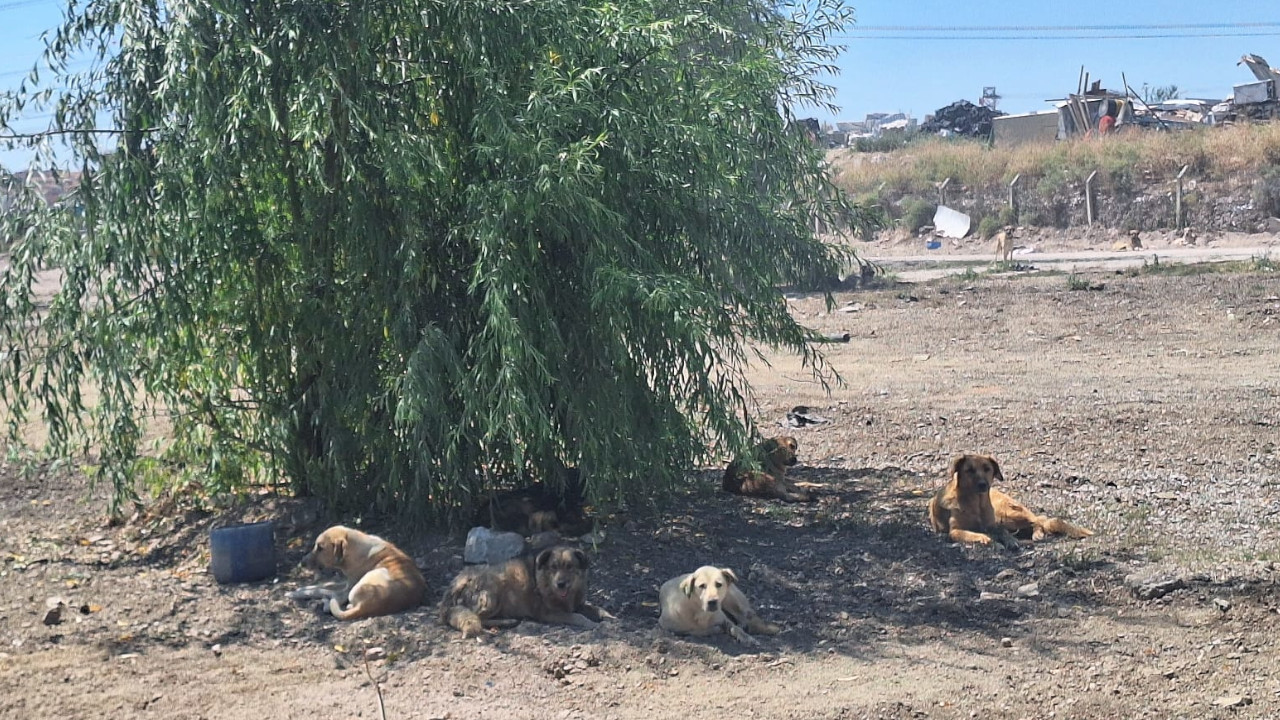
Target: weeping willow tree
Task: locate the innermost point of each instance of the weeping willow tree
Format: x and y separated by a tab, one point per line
393	253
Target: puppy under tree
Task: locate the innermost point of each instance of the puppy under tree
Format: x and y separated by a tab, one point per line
391	253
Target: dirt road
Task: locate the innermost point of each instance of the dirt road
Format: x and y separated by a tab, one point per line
918	268
1145	408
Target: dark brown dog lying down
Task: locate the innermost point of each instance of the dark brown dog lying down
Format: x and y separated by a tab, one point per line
968	509
772	457
550	587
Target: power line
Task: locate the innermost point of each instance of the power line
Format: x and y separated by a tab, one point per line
987	38
1062	28
15	4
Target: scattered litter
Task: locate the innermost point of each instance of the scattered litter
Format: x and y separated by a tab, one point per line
53	611
800	416
951	223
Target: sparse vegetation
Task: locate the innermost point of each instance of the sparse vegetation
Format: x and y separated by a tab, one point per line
1212	152
1266	191
1123	162
1080	282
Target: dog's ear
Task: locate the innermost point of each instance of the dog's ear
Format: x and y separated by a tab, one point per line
543	558
728	575
955	466
581	558
686	585
995	467
339	549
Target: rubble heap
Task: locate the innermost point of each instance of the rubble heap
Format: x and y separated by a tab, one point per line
962	118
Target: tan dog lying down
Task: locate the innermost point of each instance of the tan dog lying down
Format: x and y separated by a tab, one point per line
381	579
550	587
706	601
969	509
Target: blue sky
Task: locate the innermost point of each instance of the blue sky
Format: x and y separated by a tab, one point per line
919	75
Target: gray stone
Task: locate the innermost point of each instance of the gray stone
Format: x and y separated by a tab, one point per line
491	546
1149	585
1029	590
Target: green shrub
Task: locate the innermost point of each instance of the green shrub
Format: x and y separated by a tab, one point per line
916	213
989	226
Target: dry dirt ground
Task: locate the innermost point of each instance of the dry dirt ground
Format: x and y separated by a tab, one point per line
1144	407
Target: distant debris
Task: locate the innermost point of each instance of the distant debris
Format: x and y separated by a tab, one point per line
951	223
961	118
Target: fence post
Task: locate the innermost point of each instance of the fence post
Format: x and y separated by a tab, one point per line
1177	200
942	191
1088	196
1013	196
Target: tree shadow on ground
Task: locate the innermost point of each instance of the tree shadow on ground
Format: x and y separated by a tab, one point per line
857	565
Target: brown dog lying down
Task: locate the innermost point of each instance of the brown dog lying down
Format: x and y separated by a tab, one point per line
381	579
772	457
550	587
969	509
706	601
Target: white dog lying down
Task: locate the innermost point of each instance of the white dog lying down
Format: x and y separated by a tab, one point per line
381	579
708	601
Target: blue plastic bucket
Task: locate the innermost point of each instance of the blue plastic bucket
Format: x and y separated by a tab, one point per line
242	553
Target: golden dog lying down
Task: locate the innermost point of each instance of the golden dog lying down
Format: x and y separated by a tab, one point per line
706	601
969	509
381	579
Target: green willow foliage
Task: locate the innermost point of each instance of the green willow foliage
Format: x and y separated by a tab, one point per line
398	252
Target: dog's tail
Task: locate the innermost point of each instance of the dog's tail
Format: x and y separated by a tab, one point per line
461	618
357	611
1056	526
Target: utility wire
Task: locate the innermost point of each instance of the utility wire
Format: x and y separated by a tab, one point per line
1062	28
15	4
987	38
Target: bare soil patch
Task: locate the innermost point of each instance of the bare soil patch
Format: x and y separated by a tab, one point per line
1145	410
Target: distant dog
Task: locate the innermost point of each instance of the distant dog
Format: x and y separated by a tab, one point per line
968	509
538	508
772	458
706	601
381	579
550	587
1004	244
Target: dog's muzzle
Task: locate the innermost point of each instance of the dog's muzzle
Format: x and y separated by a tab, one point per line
713	605
309	561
